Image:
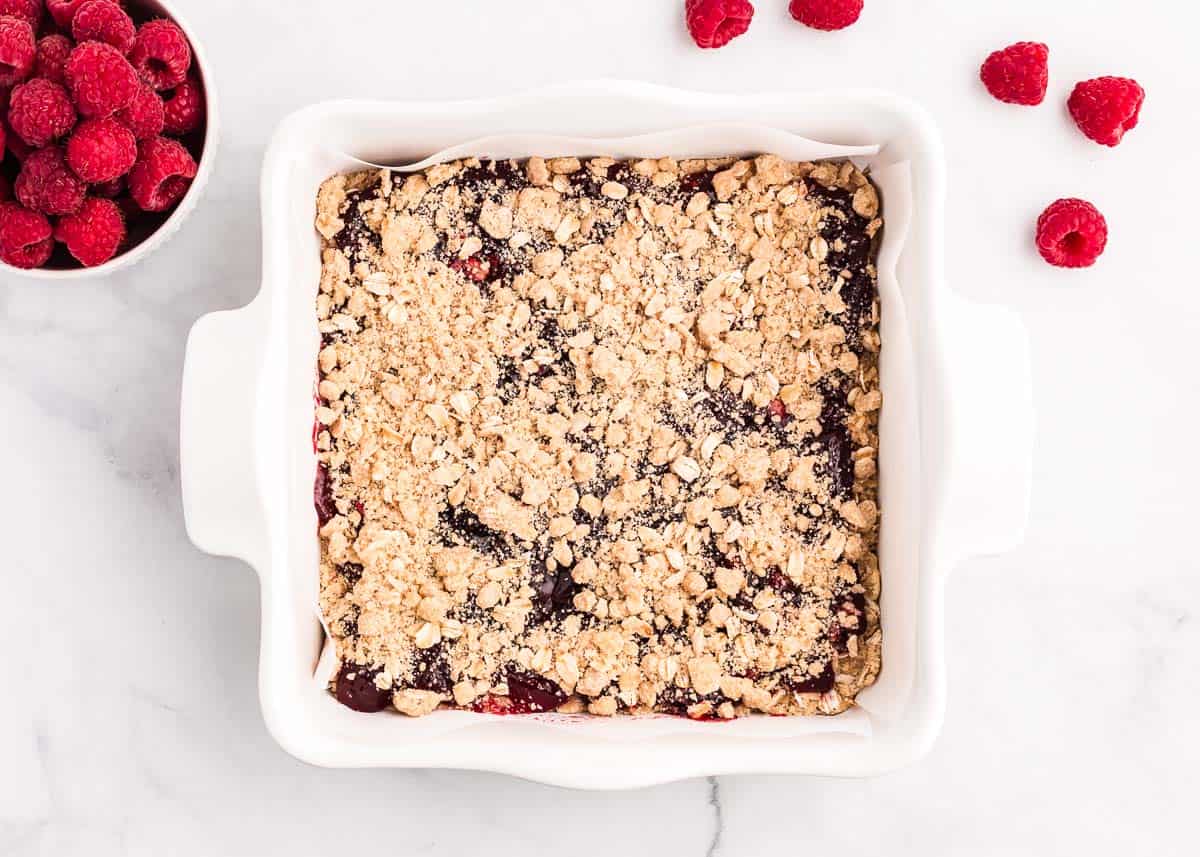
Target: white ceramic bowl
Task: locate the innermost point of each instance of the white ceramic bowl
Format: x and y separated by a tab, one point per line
959	488
168	228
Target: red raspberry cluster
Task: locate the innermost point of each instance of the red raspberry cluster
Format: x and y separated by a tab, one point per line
90	106
1071	233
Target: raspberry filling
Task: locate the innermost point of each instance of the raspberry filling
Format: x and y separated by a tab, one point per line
357	689
323	496
531	693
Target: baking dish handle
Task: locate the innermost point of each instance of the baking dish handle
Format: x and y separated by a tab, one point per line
222	505
990	407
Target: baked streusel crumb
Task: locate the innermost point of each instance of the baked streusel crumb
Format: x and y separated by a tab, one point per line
600	436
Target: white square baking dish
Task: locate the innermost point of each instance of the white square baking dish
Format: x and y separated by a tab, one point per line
248	461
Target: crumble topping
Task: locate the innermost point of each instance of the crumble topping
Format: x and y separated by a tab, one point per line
600	436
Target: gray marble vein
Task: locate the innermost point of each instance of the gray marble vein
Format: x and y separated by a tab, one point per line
714	800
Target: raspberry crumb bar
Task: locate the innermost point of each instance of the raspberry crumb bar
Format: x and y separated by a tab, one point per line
600	436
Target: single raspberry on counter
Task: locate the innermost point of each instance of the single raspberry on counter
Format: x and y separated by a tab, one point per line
161	54
1106	107
47	185
63	11
715	23
40	112
94	233
145	115
826	14
184	108
1017	74
101	80
1071	233
27	10
104	21
26	239
101	150
51	62
18	50
162	175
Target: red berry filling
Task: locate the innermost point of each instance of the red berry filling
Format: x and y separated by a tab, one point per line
473	268
356	689
777	412
531	693
323	496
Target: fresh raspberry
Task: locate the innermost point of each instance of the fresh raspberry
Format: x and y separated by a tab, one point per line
41	112
104	21
94	233
101	80
51	62
714	23
162	175
109	190
17	50
1071	233
1017	74
144	116
161	54
63	11
26	239
16	146
46	184
28	10
184	110
1106	107
101	150
826	14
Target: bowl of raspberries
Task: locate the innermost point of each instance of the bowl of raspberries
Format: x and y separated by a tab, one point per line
107	133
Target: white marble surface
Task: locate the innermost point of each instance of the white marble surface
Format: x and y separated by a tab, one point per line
129	723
